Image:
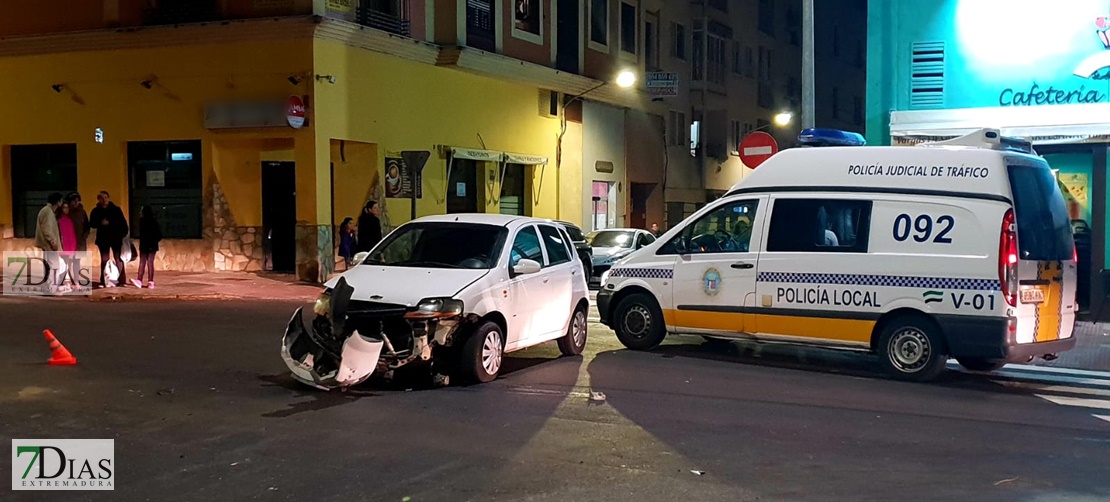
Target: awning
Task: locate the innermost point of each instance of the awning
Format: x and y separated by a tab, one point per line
528	160
472	154
1046	124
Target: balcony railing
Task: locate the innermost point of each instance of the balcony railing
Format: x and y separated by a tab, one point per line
385	21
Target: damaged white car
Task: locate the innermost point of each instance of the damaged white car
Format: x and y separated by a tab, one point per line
453	293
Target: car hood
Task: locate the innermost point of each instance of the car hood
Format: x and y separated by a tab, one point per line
406	285
610	252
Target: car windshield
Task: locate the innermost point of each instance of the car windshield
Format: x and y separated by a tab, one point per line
611	239
1044	227
441	245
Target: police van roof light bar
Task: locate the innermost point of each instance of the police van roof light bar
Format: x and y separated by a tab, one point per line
988	138
830	137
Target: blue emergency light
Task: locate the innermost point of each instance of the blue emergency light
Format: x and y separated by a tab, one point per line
830	137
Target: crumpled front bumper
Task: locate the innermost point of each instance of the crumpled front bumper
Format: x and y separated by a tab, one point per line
314	363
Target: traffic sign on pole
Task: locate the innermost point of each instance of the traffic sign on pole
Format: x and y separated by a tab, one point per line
756	148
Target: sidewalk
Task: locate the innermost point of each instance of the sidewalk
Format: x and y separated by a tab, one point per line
1091	352
214	286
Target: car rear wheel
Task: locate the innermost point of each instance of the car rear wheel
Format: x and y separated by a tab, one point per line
638	322
981	364
911	349
572	343
481	355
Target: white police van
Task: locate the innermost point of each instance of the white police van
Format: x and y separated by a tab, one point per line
961	248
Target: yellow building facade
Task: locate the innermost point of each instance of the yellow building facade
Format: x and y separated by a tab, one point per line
194	121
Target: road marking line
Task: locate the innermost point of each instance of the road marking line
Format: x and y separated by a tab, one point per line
1054	388
1103	417
1044	369
1076	401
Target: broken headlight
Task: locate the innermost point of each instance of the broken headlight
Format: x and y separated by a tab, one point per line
436	308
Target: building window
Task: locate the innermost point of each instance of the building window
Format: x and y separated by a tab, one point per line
599	22
528	20
767	17
678	48
835	102
819	226
628	28
651	41
167	176
479	25
764	64
717	53
749	62
736	134
737	59
697	70
677	128
38	171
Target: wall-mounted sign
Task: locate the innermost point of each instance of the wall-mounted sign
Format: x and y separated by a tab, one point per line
177	157
662	84
603	166
98	135
460	189
1094	68
245	114
294	112
400	180
155	179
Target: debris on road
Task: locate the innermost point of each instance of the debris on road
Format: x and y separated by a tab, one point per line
597	397
698	473
1007	480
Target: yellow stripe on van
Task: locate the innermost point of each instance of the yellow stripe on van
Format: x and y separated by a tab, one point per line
1048	312
817	328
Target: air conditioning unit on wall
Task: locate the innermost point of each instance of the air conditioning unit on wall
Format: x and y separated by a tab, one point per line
549	104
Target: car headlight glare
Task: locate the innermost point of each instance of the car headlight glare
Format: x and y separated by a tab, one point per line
436	308
605	277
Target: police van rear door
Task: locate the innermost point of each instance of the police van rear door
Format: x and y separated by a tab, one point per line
1046	268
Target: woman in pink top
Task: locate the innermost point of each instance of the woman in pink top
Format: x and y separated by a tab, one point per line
67	230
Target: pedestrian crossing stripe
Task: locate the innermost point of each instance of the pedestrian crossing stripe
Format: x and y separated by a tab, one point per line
1083	389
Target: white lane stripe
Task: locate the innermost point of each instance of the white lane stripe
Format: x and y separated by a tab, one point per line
1045	369
1047	378
1103	417
758	150
1057	389
1076	401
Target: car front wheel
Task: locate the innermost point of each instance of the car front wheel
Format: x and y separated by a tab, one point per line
638	322
481	355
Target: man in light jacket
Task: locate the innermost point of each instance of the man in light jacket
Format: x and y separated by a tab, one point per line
47	236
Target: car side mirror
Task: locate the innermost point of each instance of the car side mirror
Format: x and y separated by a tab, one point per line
526	266
359	257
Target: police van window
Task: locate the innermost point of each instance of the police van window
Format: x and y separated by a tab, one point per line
526	245
555	244
727	229
819	226
1044	227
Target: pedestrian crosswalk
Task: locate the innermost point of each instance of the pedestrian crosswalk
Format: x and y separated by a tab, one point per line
1082	389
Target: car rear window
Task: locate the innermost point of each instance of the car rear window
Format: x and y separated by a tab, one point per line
1044	228
575	233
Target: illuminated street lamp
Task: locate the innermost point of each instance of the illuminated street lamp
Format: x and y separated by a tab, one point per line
626	79
783	119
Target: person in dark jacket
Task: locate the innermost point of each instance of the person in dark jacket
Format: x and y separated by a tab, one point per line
150	234
369	227
80	220
111	227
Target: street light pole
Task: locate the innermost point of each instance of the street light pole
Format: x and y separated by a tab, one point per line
808	107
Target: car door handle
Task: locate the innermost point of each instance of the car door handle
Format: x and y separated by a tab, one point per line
742	265
545	278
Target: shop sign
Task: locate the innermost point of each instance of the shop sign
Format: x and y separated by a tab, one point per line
248	114
1094	68
294	112
400	180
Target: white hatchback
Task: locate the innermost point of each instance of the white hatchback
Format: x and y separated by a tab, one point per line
452	293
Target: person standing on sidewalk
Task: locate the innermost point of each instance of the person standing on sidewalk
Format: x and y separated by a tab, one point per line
150	234
111	227
346	241
80	220
369	227
47	236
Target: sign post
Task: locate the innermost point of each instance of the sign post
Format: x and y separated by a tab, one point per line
756	148
415	160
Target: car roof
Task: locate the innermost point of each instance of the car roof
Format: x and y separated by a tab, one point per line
503	220
620	230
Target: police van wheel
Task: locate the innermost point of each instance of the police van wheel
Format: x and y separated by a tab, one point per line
639	322
981	364
911	349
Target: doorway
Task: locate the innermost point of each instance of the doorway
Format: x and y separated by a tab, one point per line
604	202
567	49
641	192
38	171
279	215
512	190
462	187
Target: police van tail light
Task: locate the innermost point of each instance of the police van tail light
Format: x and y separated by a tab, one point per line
1008	259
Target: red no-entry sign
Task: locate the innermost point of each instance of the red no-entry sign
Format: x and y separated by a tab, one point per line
756	148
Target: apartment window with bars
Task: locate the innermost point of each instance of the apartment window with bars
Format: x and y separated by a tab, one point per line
717	59
749	62
697	70
736	134
628	28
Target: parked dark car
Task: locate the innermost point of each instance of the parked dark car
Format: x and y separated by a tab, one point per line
585	251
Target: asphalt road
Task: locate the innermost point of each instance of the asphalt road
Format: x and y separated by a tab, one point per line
201	408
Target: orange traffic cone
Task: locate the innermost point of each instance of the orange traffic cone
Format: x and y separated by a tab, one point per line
59	356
